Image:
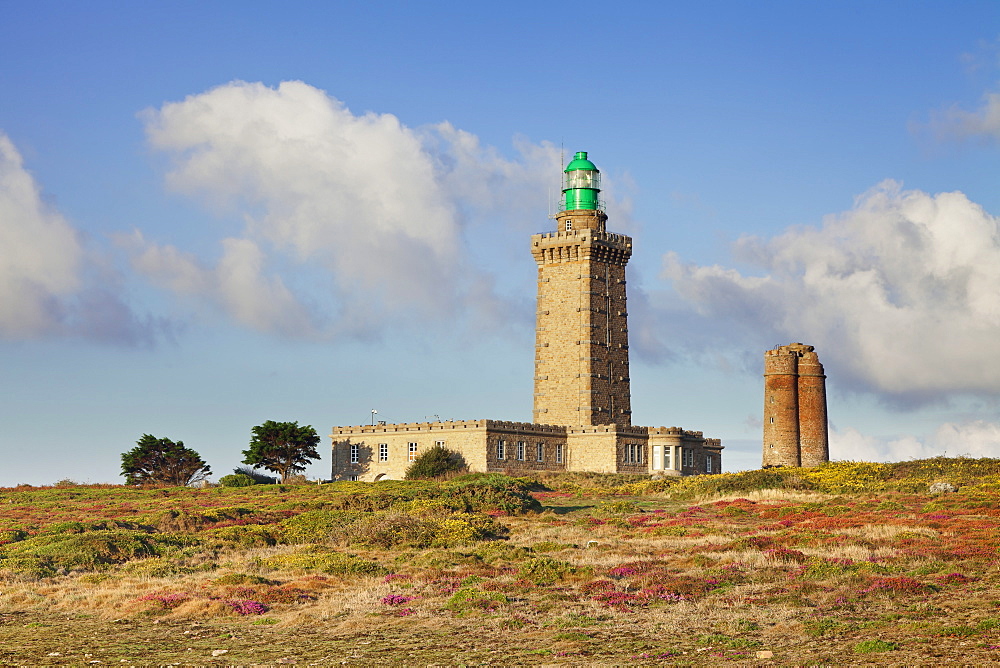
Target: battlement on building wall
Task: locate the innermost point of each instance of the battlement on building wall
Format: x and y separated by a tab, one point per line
572	235
451	425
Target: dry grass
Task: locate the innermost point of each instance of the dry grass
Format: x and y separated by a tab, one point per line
592	579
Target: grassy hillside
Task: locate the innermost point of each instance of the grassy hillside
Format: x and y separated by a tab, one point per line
844	563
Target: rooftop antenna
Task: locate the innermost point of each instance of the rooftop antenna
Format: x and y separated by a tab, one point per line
374	413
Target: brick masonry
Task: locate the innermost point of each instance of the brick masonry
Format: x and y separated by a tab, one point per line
795	417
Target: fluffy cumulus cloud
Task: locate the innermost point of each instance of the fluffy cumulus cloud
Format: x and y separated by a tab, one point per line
42	255
977	438
899	294
51	283
378	212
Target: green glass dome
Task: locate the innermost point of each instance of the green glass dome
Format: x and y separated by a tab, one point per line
580	161
581	184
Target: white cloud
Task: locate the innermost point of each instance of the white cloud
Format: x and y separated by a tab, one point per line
379	209
976	438
51	282
236	283
42	255
957	123
899	294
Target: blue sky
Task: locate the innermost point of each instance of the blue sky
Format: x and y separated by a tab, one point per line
217	214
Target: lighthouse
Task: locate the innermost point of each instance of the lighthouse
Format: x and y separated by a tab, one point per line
581	335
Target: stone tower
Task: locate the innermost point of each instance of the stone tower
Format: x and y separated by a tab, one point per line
795	421
581	340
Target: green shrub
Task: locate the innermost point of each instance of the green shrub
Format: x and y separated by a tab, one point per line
467	599
874	646
90	550
433	462
237	480
12	535
545	570
316	526
246	535
316	558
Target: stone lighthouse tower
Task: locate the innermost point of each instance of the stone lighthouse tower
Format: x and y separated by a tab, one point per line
581	340
795	421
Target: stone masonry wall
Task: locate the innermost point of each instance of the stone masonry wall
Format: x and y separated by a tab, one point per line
581	358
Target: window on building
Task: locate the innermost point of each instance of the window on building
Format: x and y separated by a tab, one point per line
413	451
666	458
772	420
501	449
520	451
355	478
687	456
559	453
708	463
439	444
569	225
383	452
540	452
354	453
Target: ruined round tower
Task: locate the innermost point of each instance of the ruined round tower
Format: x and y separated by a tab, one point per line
795	421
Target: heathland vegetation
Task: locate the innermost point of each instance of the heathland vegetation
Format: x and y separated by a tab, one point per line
844	563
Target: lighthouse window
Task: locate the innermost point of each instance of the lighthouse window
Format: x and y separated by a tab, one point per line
569	225
772	420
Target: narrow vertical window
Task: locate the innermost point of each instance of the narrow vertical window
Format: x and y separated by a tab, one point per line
501	449
666	458
520	451
354	453
559	453
383	452
540	452
708	464
413	451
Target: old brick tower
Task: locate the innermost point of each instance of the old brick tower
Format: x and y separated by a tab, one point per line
795	422
581	339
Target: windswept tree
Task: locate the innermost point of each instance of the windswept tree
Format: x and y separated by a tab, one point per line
282	447
161	461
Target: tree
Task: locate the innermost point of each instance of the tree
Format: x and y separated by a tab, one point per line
164	462
282	447
433	462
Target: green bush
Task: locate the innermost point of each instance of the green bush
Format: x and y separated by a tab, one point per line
316	526
467	599
237	480
89	550
874	646
434	462
246	535
316	558
545	570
